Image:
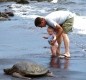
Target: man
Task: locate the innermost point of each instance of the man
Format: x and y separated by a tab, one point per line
61	22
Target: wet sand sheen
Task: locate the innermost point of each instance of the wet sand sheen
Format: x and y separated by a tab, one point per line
64	69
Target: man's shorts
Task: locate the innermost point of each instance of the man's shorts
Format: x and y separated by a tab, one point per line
68	25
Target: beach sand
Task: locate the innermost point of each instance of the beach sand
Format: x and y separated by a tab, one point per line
21	41
63	69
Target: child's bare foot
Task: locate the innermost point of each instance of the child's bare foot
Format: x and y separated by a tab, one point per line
53	56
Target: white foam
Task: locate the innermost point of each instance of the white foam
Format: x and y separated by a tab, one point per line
80	24
54	1
31	12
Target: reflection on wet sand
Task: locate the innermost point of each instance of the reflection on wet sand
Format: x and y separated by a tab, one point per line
59	63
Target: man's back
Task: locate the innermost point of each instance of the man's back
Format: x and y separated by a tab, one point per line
59	16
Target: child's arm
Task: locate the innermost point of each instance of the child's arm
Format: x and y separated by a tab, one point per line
45	37
53	40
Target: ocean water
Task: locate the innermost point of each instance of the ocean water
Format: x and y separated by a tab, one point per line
34	9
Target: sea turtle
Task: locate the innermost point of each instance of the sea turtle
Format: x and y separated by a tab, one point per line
27	69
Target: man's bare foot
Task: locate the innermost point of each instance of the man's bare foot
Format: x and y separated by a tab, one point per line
61	56
67	55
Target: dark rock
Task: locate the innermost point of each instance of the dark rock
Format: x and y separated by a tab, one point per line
2	14
60	9
10	14
22	1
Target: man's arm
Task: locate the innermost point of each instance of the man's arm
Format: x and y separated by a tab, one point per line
59	30
56	26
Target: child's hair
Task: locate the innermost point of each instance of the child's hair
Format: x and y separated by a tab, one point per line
50	28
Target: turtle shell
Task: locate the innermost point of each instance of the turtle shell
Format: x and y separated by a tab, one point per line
30	68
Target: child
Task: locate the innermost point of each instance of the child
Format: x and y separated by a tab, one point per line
52	41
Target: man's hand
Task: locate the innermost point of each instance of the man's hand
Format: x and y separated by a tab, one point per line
52	42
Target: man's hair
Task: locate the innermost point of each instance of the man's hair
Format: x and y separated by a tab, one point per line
37	21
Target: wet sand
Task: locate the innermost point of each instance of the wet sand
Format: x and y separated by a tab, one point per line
63	69
18	42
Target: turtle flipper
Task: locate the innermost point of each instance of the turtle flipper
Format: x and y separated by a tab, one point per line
50	74
15	74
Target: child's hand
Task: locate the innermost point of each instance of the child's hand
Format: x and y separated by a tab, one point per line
45	37
52	42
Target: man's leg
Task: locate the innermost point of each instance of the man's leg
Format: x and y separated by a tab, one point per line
66	44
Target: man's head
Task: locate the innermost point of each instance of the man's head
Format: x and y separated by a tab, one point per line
40	22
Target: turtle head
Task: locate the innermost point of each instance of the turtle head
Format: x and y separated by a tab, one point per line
8	71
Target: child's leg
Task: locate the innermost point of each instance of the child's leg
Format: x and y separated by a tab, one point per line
53	50
58	52
59	41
